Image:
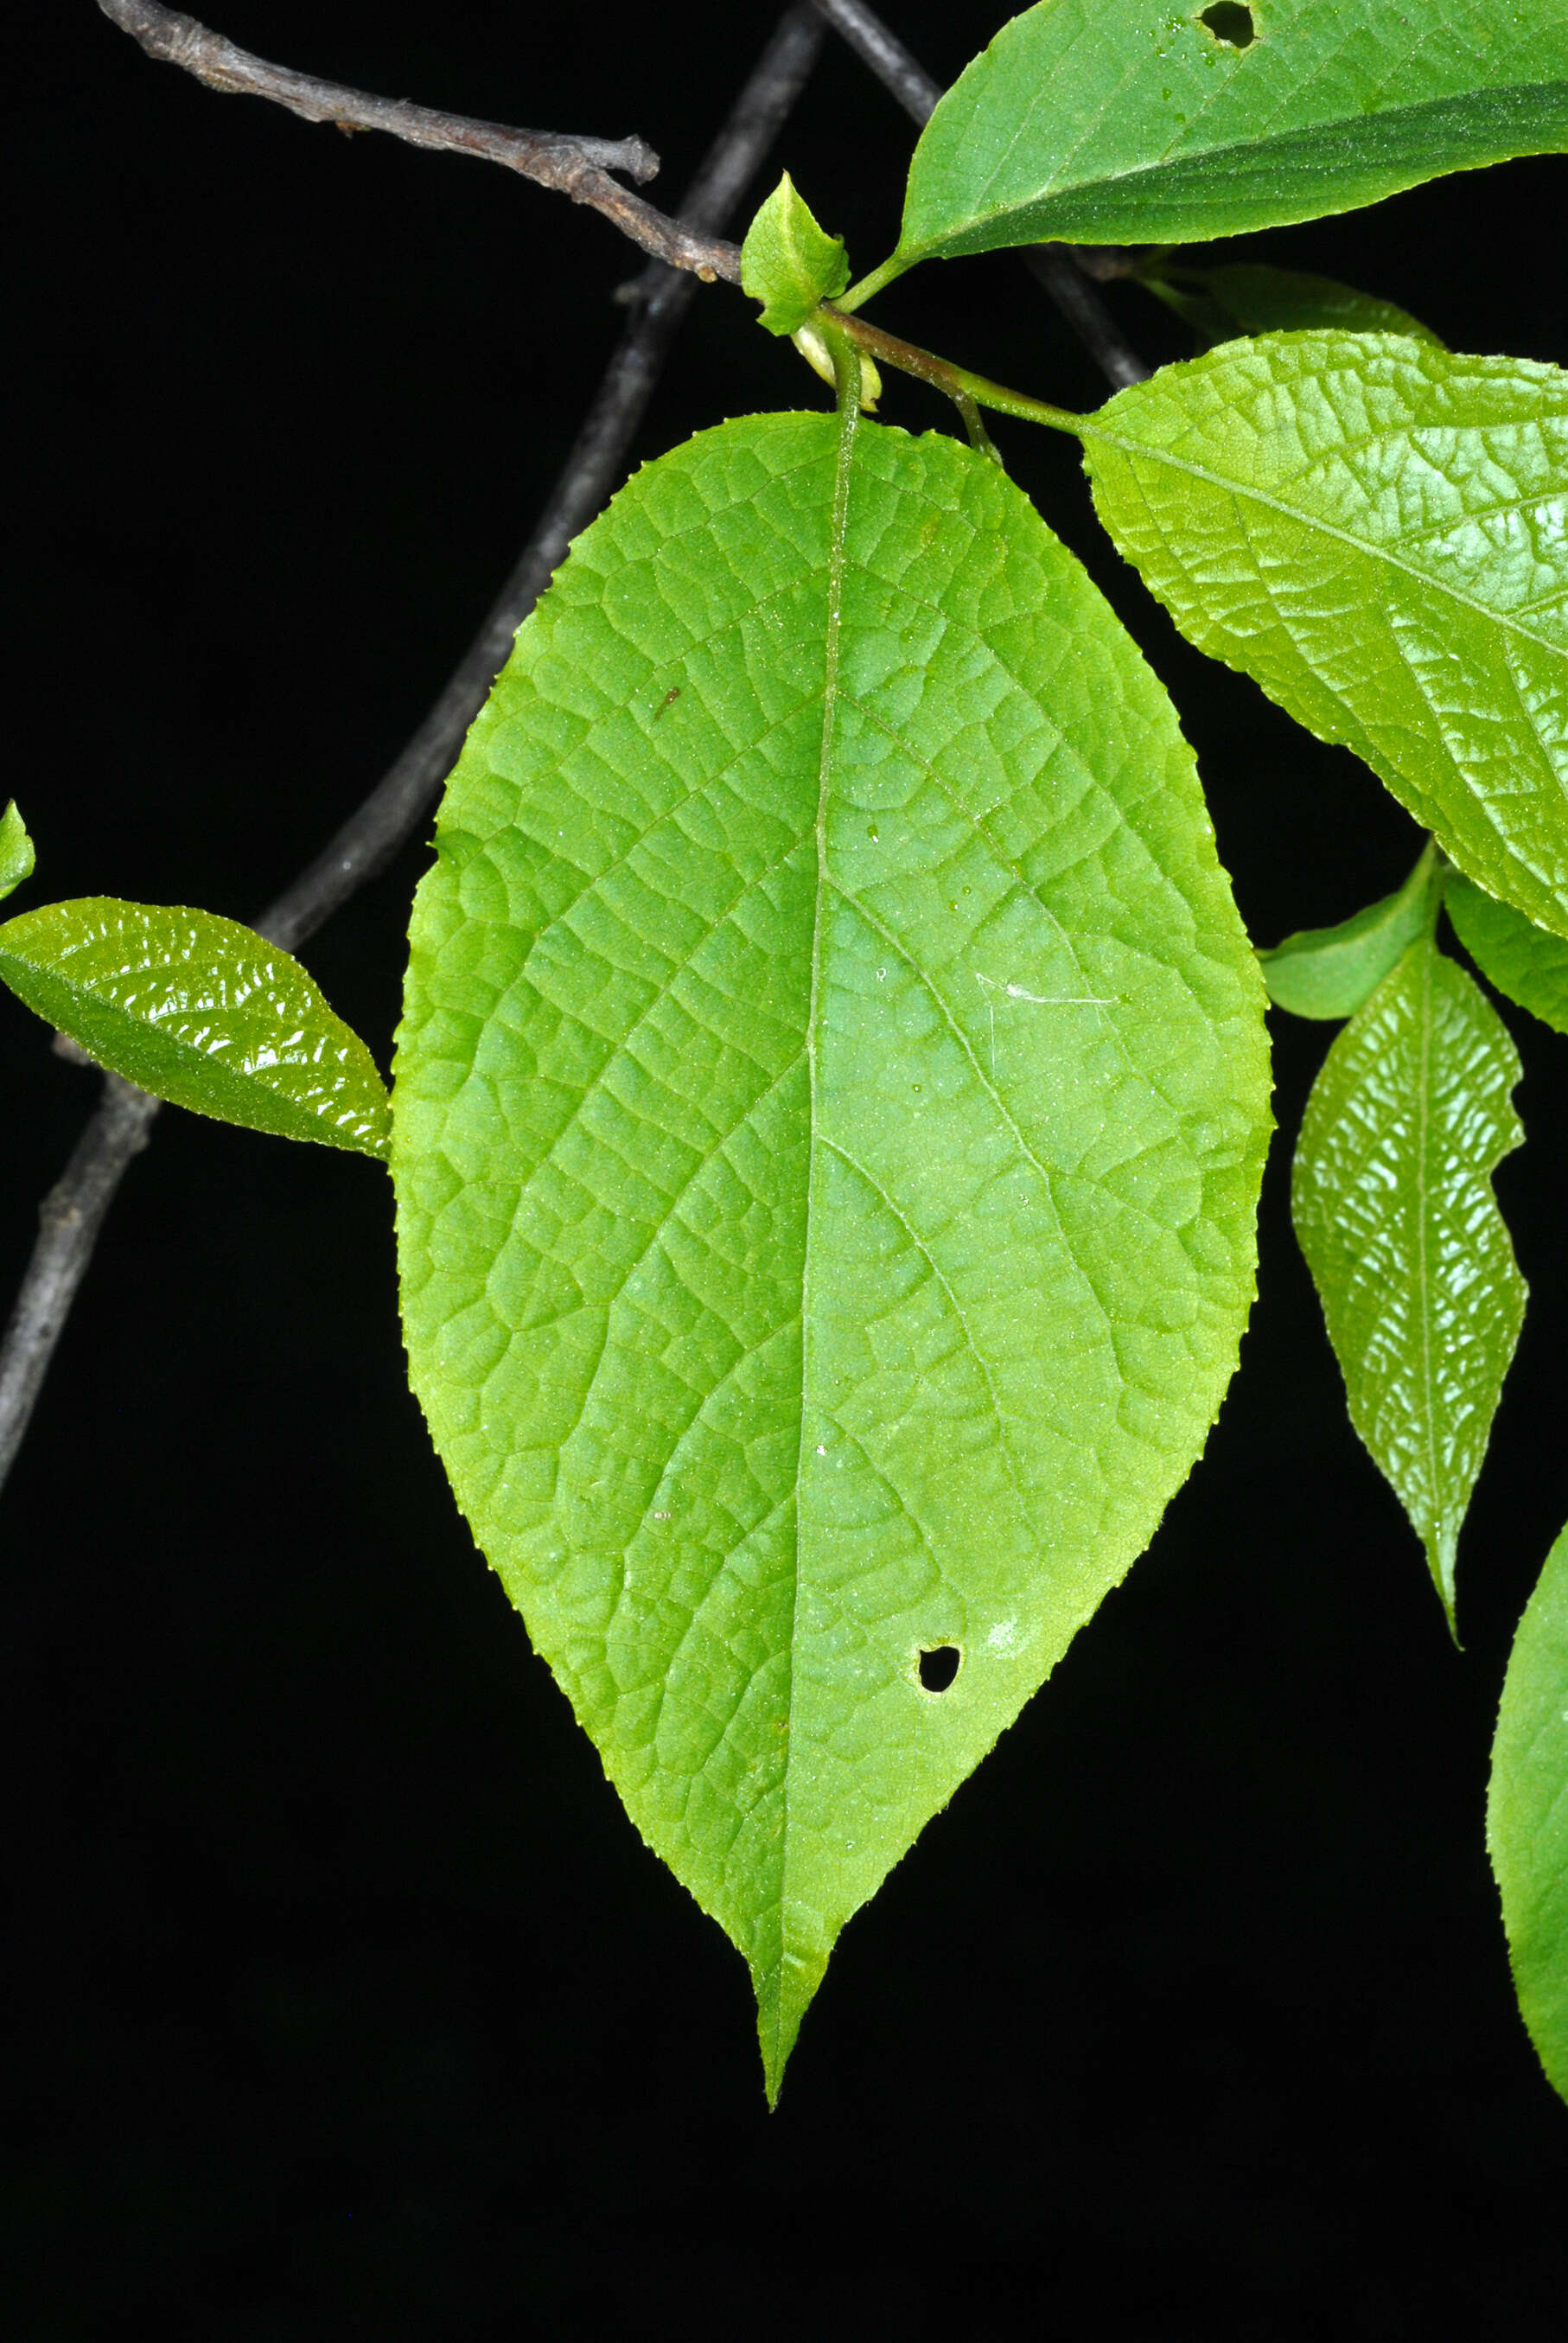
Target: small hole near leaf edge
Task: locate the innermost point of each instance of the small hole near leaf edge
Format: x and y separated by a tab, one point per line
938	1667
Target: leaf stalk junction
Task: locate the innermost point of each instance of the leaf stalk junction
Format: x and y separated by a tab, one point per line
968	391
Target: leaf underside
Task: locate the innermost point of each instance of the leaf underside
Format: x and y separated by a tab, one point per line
830	1109
1332	972
1520	959
1527	1814
1127	121
1392	1202
1248	298
1374	530
202	1012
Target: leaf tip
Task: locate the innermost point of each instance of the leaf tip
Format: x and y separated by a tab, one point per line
785	1990
16	856
1442	1557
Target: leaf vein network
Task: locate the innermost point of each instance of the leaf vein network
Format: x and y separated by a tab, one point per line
958	1310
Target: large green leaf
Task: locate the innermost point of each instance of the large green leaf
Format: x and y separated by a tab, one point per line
1527	1814
828	1111
1378	532
1127	121
201	1011
1392	1197
1521	959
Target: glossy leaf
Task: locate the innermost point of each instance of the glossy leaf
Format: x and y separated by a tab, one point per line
15	852
201	1011
1519	958
788	263
1331	971
1128	121
829	1113
1377	532
1527	1814
1392	1202
1245	297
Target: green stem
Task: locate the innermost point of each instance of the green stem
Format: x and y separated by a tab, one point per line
980	439
965	390
841	339
874	283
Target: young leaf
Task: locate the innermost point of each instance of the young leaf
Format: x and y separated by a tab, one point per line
829	1113
1520	959
201	1011
15	852
1527	1814
1372	529
1127	121
1331	971
788	263
1392	1202
1245	297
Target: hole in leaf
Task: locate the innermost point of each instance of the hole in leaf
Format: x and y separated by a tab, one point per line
939	1666
1230	23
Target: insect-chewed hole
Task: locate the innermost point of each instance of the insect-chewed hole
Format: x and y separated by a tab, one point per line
939	1666
1230	23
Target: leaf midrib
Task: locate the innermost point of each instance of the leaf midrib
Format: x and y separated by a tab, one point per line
1423	1289
848	421
1369	549
1216	157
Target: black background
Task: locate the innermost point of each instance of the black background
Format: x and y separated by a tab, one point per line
346	2000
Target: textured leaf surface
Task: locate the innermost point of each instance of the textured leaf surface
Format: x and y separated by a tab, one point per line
1521	959
788	263
1378	532
1122	121
15	852
1331	971
1246	298
1392	1197
1527	1814
201	1011
829	1107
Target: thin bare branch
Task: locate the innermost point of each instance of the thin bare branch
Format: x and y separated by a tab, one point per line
1054	267
659	300
886	55
1059	267
577	168
69	1220
74	1211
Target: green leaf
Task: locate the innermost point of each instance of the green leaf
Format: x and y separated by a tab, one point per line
1373	531
1392	1202
16	851
1519	958
829	1113
1527	1814
1245	297
1130	121
788	263
1331	971
201	1011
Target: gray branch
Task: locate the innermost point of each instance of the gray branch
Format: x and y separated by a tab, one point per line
885	54
1057	266
69	1219
74	1211
577	168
